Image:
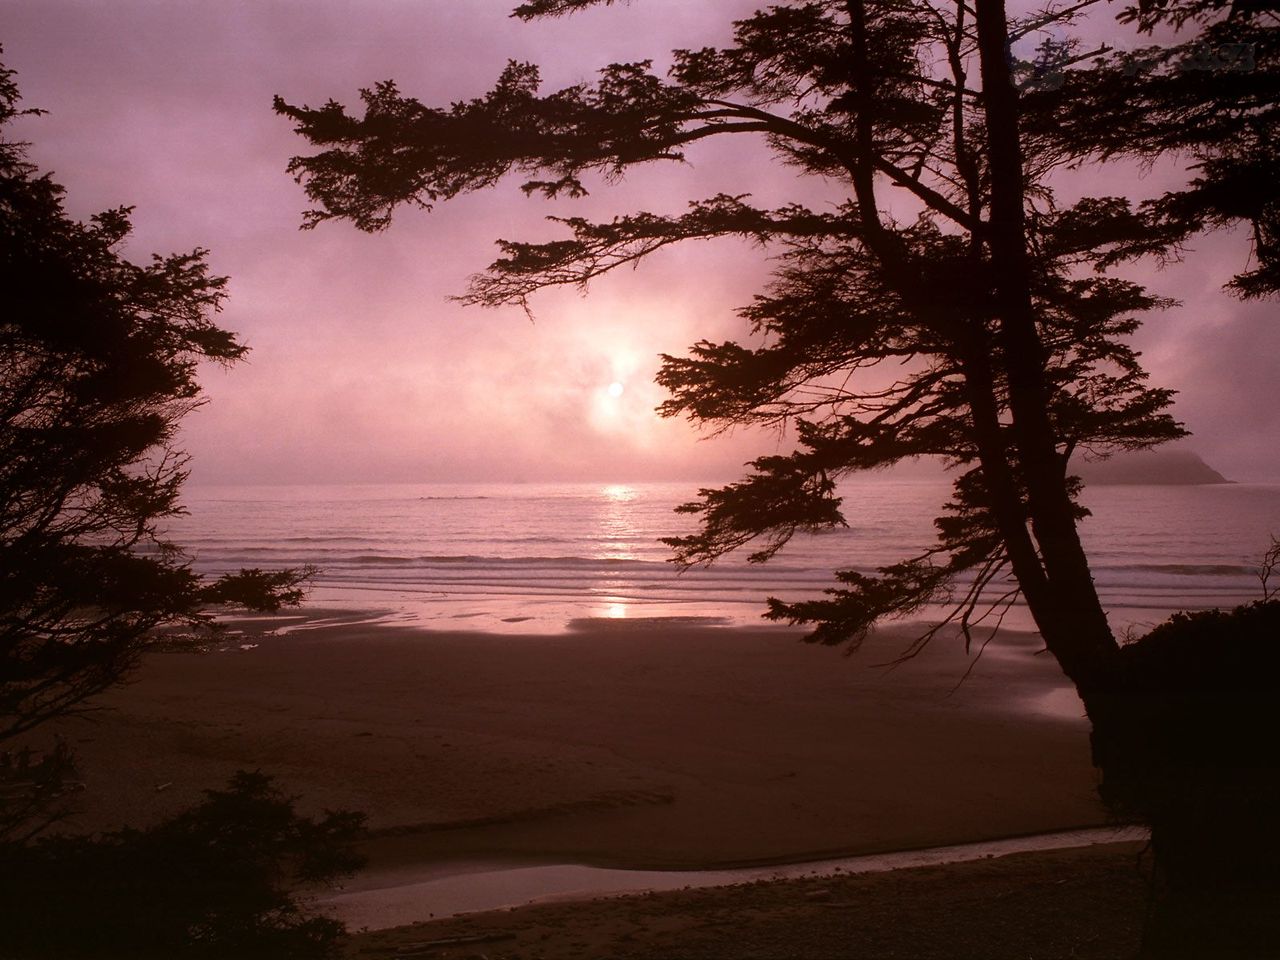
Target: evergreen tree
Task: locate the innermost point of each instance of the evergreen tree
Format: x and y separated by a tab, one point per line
1014	349
1209	96
98	360
1000	310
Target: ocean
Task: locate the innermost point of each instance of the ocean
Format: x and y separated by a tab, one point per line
542	558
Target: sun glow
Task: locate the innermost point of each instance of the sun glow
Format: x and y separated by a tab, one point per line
615	409
620	394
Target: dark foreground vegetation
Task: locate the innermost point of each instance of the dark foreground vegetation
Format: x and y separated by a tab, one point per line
1188	745
217	881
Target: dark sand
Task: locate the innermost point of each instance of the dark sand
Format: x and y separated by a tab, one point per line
612	744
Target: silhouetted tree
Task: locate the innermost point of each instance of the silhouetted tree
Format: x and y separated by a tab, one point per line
1210	97
1013	349
996	308
98	361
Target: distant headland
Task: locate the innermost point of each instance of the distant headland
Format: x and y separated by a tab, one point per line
1167	467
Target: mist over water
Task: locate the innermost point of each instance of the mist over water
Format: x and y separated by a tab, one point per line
538	557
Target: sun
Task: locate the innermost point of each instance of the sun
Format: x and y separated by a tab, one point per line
615	389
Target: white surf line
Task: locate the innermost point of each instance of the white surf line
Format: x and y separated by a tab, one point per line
457	888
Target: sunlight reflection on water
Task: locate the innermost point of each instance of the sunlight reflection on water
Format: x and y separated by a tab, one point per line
618	525
545	555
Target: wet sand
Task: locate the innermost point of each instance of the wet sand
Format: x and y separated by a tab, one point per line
1084	904
657	745
382	899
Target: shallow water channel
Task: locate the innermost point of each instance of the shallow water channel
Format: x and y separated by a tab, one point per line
403	896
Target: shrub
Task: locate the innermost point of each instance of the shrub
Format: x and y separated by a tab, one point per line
216	881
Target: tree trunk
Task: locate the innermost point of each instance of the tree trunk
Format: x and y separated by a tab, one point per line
1073	623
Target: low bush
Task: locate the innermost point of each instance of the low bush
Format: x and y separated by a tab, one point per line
216	882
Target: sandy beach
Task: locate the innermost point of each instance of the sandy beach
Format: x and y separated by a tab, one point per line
615	743
645	745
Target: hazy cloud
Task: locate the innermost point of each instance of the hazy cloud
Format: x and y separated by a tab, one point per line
362	369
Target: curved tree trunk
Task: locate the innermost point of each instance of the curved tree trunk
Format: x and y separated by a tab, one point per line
1071	618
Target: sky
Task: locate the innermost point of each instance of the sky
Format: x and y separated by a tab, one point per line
361	369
